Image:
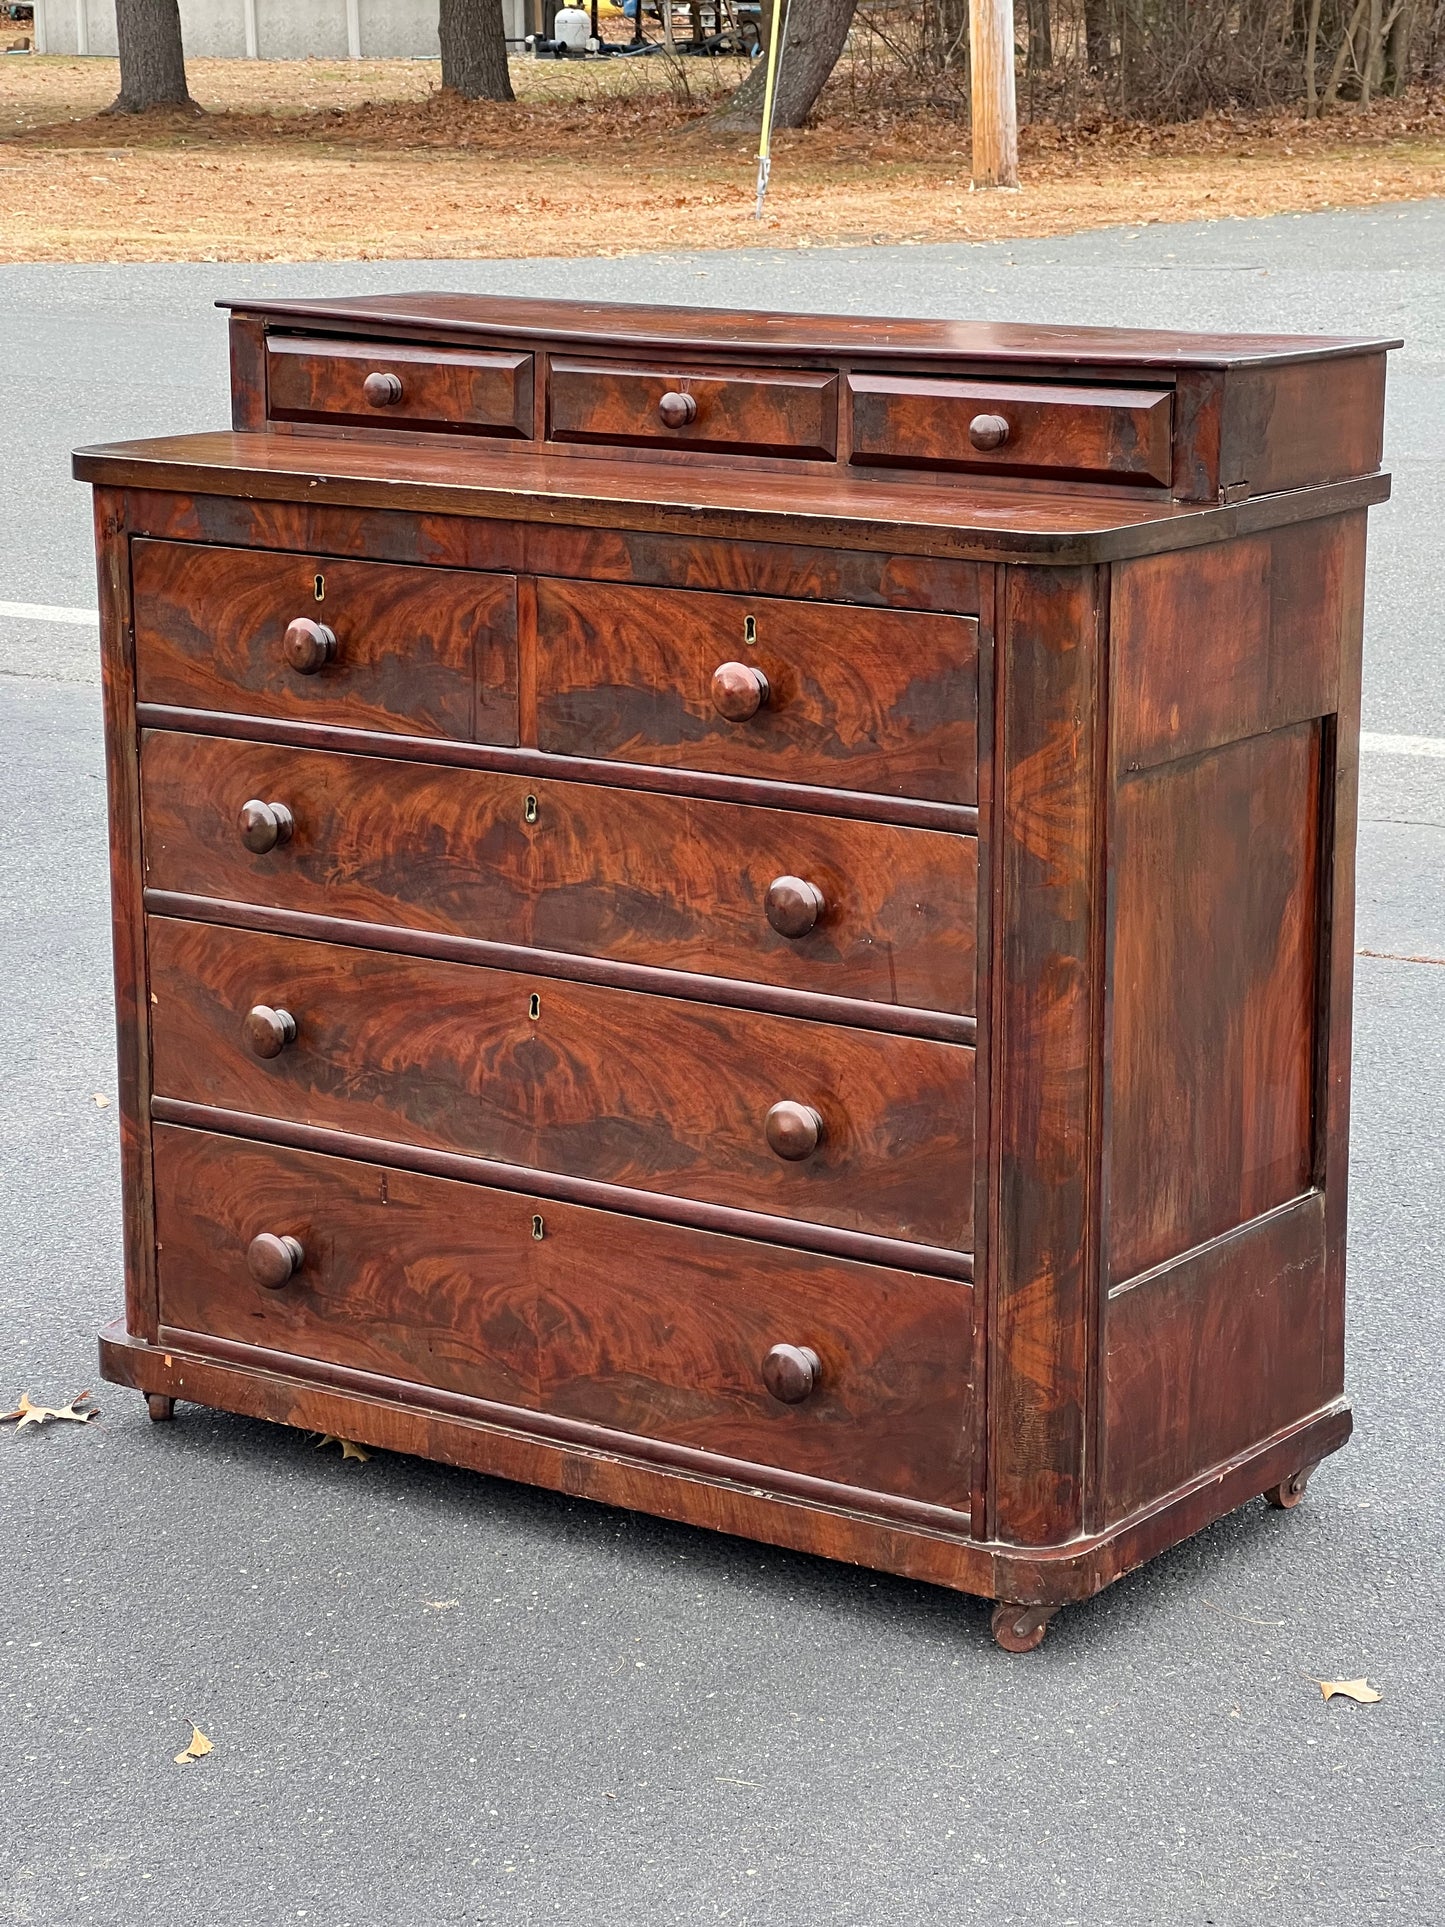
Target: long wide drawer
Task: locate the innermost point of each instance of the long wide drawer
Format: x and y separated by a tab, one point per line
645	1328
673	882
874	1133
801	692
368	645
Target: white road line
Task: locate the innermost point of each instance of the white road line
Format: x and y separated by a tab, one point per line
1433	746
48	612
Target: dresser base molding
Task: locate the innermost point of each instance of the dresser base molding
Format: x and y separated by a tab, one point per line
884	1533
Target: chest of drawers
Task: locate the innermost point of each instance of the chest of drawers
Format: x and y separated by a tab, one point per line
750	916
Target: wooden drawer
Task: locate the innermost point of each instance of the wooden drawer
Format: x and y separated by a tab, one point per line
859	699
657	1094
458	390
642	1327
1013	428
745	411
428	652
670	881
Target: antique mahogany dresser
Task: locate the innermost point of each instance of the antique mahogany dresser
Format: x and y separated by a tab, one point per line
749	915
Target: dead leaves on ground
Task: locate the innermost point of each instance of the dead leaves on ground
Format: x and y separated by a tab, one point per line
1350	1689
199	1747
349	1448
28	1413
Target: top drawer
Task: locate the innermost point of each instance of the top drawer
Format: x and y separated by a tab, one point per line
391	385
1013	428
742	411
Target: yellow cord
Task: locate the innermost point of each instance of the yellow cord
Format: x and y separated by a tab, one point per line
765	139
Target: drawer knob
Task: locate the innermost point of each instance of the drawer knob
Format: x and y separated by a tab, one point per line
382	391
739	691
274	1261
268	1031
308	646
794	905
677	410
988	431
794	1131
791	1373
264	825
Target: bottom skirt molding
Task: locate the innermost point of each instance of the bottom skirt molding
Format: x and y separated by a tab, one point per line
1049	1576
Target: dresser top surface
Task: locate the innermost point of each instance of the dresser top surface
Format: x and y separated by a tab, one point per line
725	330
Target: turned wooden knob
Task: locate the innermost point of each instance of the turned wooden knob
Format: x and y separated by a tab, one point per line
308	646
793	905
739	691
382	391
264	825
988	431
274	1261
267	1031
791	1373
794	1131
677	410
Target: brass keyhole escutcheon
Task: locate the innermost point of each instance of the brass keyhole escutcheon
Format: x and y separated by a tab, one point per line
529	810
539	1228
534	1006
318	588
750	630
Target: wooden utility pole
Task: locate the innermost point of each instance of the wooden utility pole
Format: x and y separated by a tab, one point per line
995	111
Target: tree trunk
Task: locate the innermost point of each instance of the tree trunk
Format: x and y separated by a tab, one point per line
474	49
952	32
994	112
1397	50
1041	36
817	32
152	63
1098	40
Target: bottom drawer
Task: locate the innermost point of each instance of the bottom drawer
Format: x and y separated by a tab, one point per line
641	1327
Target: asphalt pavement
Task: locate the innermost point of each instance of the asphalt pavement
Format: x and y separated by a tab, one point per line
438	1697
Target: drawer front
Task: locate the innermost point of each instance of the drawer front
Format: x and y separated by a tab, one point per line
1013	428
745	411
859	699
669	881
643	1327
427	652
391	385
655	1093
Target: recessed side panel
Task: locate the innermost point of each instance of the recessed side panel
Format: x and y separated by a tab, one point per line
1216	934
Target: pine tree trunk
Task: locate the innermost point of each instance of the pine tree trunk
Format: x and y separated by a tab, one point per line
817	32
474	49
152	63
1098	41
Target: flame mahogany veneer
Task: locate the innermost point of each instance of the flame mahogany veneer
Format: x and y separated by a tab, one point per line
750	915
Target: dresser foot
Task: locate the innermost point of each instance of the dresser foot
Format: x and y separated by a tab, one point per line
1289	1491
1019	1629
160	1407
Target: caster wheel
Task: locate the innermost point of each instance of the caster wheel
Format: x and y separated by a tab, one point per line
1290	1491
160	1407
1019	1629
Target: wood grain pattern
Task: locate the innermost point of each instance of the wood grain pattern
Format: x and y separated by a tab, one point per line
1045	1022
1081	434
655	880
461	391
429	651
1216	949
644	1091
858	700
643	1327
1216	1350
760	412
1302	424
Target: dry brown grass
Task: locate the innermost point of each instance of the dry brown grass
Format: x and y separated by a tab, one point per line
340	160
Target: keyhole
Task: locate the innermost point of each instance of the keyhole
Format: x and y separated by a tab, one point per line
534	1006
750	629
529	810
319	588
539	1229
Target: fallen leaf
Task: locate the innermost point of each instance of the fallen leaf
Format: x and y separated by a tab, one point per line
199	1747
1350	1689
439	1605
349	1448
102	1101
26	1413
